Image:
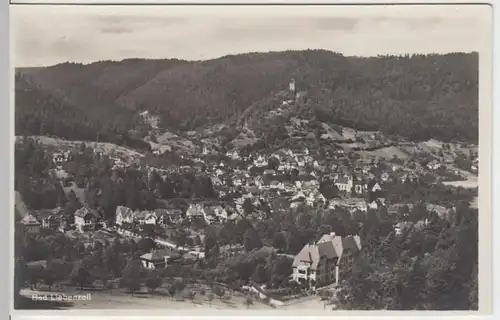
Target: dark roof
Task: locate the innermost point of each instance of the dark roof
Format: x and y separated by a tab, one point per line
343	180
329	246
351	243
326	249
48	213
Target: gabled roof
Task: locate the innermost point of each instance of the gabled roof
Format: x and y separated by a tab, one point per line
48	213
159	255
342	180
141	215
30	219
329	246
351	243
328	250
299	196
195	210
125	212
440	210
84	211
309	254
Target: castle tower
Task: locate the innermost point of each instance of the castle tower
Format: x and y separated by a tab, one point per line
291	86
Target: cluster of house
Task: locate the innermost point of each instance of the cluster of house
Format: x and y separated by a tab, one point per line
260	181
161	216
54	219
85	219
150	119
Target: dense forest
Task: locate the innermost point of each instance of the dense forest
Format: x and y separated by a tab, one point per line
417	97
40	112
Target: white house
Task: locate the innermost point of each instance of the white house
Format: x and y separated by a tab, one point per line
123	215
433	165
376	187
260	161
150	217
86	219
233	155
320	264
31	224
157	259
195	211
213	213
344	183
360	188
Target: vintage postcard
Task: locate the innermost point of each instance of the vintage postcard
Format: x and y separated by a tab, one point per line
252	158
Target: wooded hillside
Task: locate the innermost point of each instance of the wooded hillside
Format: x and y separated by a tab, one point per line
417	97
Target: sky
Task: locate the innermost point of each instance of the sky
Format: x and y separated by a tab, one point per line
47	35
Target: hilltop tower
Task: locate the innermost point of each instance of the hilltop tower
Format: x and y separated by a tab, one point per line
291	85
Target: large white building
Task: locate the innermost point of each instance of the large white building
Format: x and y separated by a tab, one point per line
320	264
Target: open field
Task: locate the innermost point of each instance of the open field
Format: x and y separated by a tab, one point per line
386	153
467	184
306	303
20	206
471	182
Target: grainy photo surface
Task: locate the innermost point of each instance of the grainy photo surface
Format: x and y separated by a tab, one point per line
312	158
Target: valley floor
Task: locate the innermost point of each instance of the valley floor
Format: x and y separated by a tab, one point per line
123	300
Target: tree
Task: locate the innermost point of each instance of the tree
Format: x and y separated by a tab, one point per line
56	270
219	291
191	296
178	286
210	298
34	275
251	240
248	207
473	290
130	275
211	240
81	275
248	302
153	281
259	276
146	245
273	163
279	241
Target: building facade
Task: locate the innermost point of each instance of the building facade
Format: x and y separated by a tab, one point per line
320	264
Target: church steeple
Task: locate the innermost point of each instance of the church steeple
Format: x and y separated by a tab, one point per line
291	85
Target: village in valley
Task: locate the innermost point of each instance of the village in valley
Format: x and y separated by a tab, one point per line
200	221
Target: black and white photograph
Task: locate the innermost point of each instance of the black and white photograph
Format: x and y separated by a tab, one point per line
246	158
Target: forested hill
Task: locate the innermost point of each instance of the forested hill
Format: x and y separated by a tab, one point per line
418	97
41	112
